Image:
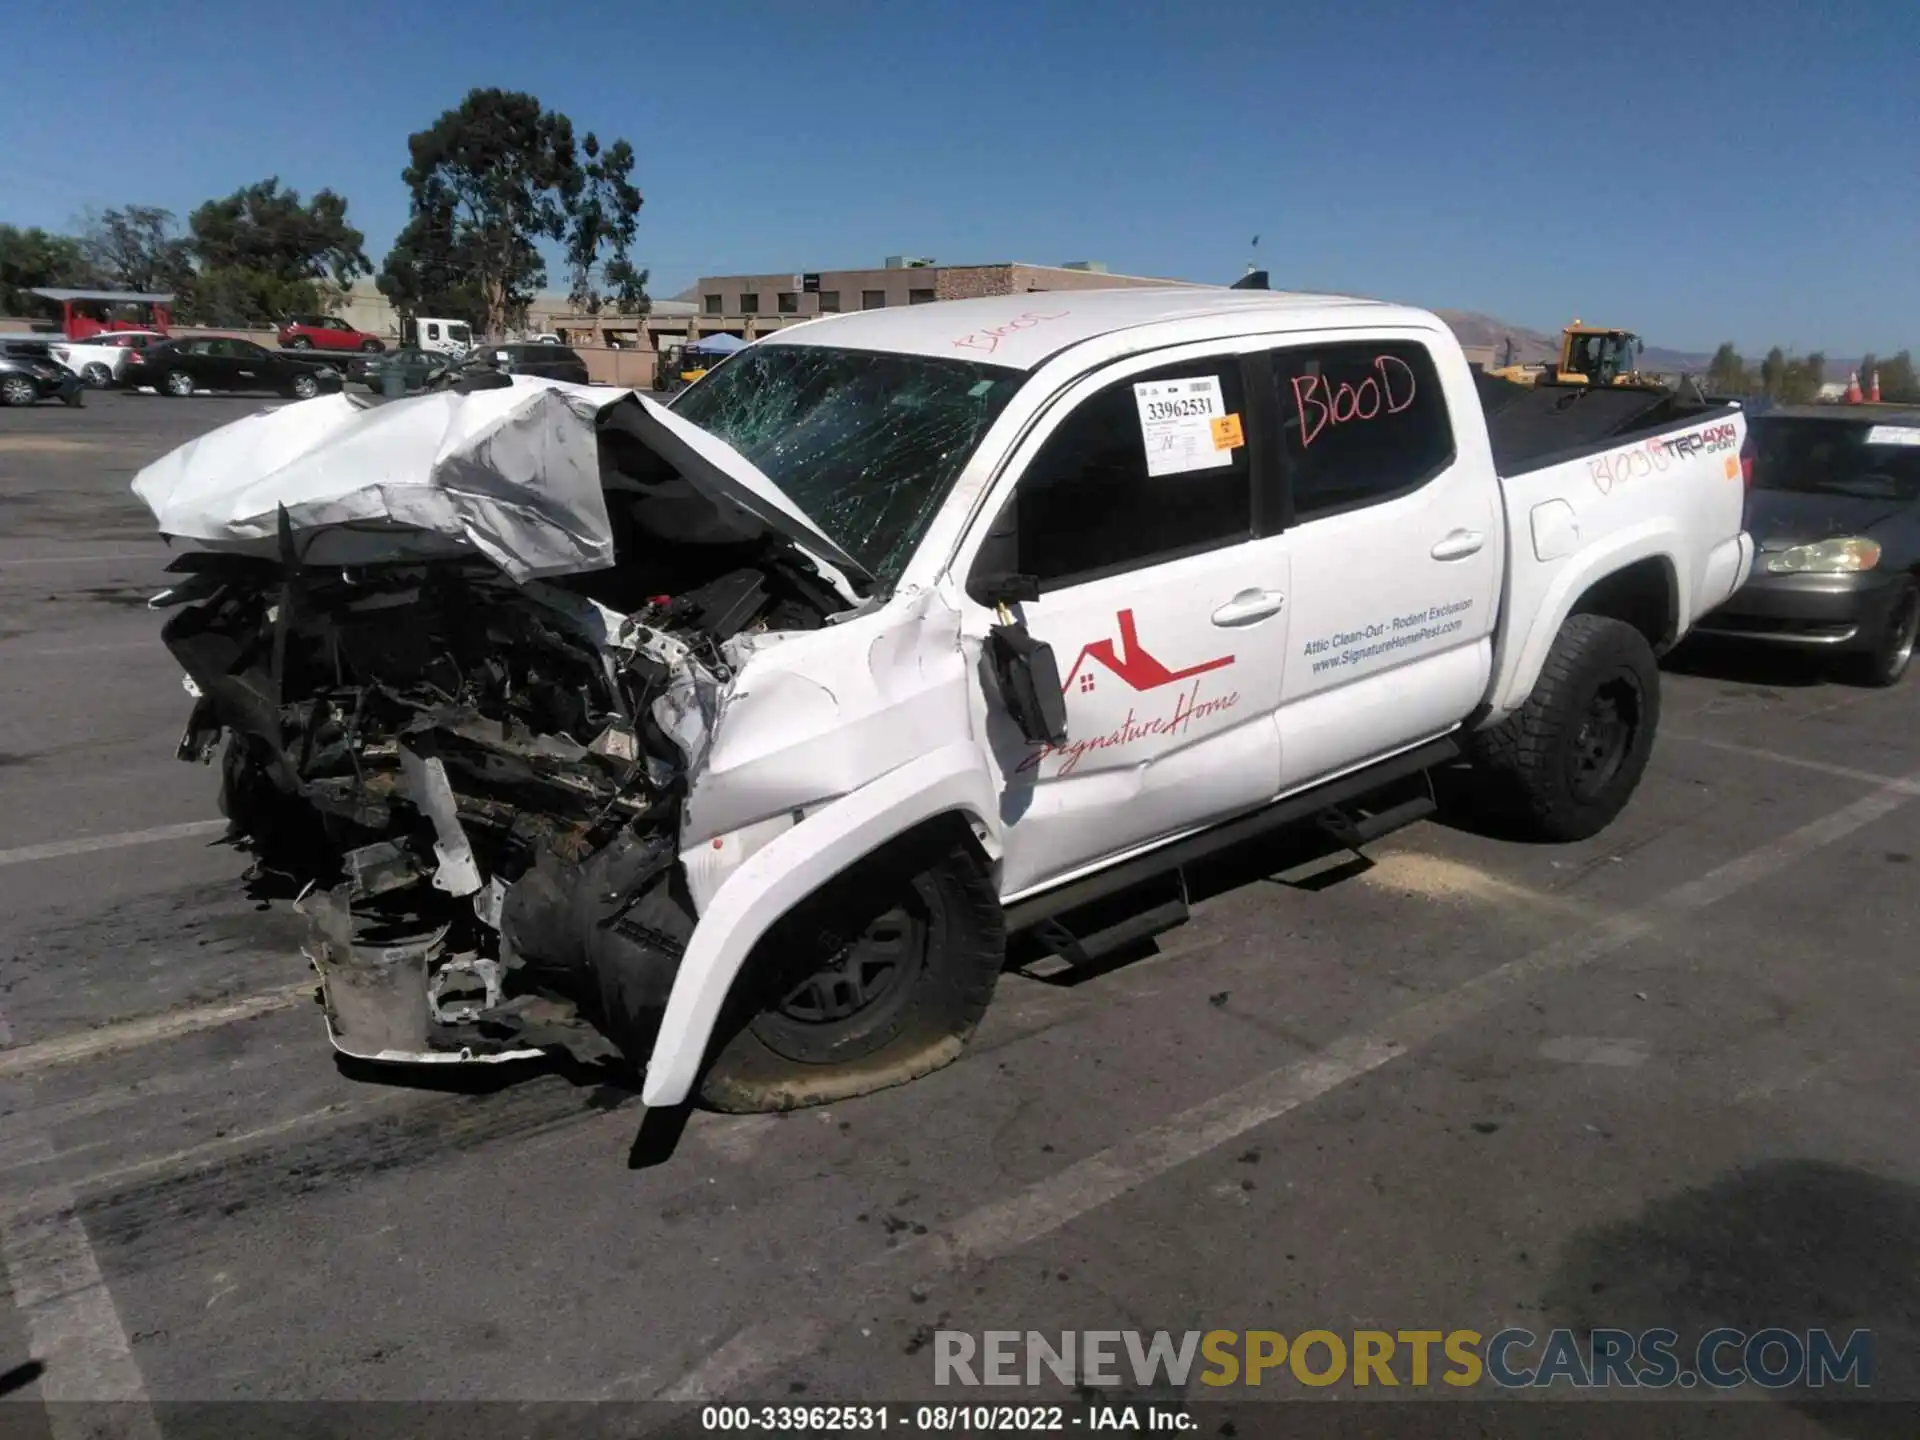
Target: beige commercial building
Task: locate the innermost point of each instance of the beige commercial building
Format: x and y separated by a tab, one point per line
750	305
625	350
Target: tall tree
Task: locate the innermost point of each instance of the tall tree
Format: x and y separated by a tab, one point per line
424	276
1773	371
1801	382
1727	372
489	180
134	246
270	231
33	258
1897	380
605	216
236	295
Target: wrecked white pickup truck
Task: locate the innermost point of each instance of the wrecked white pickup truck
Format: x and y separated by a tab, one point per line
735	738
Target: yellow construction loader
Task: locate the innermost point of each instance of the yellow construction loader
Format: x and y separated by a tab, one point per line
1589	355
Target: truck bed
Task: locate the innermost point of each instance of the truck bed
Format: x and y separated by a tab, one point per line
1533	426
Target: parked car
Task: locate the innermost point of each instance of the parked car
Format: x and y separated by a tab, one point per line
180	367
546	359
326	332
1835	508
738	735
101	360
414	364
29	374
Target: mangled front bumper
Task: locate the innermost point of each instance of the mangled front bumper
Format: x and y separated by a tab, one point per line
478	886
381	991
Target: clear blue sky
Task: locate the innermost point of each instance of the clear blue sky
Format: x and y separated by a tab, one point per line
1699	172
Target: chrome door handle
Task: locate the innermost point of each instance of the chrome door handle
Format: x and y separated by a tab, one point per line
1459	544
1249	606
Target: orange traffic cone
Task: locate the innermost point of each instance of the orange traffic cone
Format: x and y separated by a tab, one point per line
1853	389
1873	389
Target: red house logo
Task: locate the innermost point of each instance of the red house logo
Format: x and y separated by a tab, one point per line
1130	662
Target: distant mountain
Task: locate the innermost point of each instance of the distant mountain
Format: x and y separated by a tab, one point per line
1532	347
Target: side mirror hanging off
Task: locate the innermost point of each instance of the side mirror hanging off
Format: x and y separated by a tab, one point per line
1024	668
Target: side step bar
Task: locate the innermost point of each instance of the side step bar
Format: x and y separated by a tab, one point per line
1350	832
1331	799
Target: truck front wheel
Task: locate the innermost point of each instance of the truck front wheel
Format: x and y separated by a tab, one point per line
1566	762
878	979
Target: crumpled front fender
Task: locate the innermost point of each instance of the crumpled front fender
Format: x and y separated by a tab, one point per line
784	872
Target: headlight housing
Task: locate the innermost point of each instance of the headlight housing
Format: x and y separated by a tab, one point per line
1843	555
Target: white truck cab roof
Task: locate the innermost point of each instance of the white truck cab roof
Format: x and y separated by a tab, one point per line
1021	332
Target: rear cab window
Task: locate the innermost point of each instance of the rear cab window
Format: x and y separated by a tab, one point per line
1360	422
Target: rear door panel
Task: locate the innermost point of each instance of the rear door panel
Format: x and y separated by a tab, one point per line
1396	541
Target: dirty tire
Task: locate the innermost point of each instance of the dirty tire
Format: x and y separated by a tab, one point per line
932	907
1566	763
1885	664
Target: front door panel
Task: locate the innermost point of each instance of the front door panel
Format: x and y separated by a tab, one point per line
1169	713
1132	511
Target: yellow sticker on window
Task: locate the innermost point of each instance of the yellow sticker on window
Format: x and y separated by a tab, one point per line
1227	434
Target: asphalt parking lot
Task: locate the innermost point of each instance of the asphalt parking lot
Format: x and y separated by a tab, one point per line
1660	1078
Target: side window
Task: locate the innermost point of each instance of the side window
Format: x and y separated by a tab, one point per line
1148	469
433	332
202	347
1359	422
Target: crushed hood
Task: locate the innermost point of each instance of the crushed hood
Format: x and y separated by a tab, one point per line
512	473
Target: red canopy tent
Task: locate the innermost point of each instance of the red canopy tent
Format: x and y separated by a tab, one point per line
90	312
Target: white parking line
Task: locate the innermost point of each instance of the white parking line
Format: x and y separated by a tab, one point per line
1003	1226
78	559
73	1327
40	1200
52	652
1779	757
129	1034
88	844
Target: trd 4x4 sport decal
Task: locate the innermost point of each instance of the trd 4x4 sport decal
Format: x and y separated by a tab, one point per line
1131	664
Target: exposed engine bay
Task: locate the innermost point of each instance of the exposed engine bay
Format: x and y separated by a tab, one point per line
474	783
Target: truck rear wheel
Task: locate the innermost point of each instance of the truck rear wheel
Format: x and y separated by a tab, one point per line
1565	763
878	979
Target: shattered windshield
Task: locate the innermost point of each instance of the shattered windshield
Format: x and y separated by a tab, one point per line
867	444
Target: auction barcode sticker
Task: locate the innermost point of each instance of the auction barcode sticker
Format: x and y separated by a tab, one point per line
1177	424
